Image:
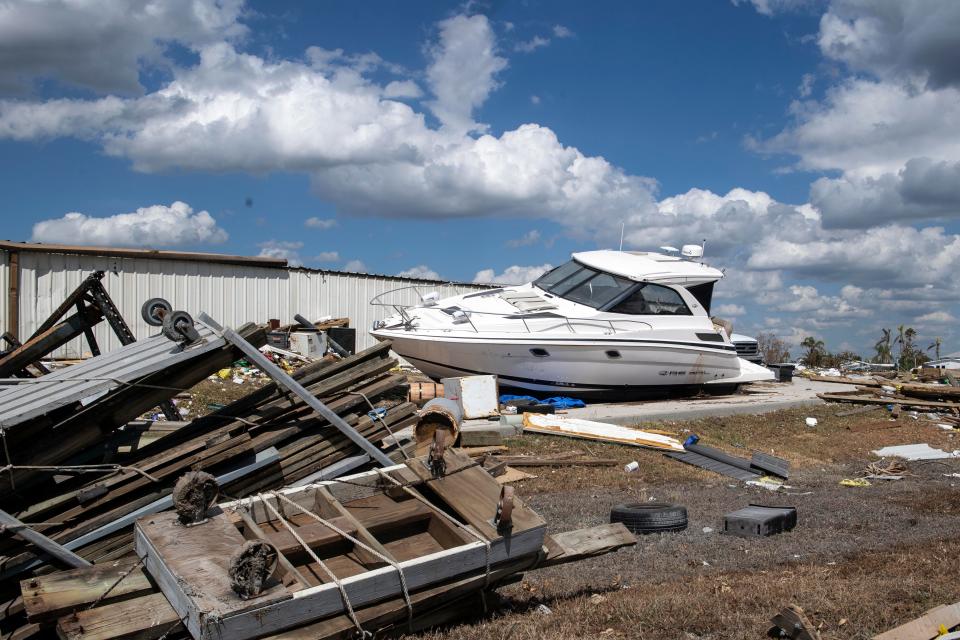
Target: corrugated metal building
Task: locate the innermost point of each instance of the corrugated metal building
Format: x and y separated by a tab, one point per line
232	289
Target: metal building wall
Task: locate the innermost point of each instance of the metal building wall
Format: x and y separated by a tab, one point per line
4	288
232	294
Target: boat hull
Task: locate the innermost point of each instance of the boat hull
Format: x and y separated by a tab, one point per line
583	368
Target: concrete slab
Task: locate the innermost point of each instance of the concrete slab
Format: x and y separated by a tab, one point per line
757	398
760	397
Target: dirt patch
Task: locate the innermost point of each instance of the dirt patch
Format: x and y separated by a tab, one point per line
861	560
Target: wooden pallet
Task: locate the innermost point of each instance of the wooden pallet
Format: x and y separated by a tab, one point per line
190	564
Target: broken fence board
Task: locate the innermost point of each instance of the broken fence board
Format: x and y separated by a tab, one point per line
48	597
588	430
146	618
926	626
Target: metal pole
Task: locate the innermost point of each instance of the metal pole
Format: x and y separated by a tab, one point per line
41	541
285	381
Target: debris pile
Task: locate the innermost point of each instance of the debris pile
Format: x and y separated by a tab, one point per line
392	548
72	485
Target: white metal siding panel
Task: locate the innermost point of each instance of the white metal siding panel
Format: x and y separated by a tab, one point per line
232	294
4	289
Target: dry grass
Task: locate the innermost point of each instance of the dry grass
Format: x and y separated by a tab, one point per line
860	560
854	598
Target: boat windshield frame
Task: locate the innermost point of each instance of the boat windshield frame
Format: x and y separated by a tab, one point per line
578	279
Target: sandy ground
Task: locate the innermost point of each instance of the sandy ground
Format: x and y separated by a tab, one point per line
860	561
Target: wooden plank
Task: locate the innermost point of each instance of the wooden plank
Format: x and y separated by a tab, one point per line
197	558
547	461
48	597
145	618
571	546
285	381
836	397
485	438
600	431
513	475
330	506
473	494
926	626
865	382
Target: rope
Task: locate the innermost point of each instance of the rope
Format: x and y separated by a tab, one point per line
444	514
344	534
320	563
373	409
6	453
118	581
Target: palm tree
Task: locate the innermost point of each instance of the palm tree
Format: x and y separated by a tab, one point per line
901	339
936	346
884	353
814	349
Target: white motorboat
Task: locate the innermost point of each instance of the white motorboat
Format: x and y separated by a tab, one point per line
607	323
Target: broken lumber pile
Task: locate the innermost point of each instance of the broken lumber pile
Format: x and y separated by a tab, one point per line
397	548
942	397
83	497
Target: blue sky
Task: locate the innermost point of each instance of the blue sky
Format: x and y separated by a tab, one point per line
815	145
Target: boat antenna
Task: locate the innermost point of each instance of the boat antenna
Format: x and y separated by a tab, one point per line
703	250
621	236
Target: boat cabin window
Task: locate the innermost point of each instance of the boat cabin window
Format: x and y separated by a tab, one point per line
584	285
553	277
703	293
652	300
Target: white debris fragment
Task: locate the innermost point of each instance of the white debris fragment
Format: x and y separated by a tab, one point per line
811	422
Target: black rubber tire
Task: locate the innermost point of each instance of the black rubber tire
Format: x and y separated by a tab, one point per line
650	517
149	311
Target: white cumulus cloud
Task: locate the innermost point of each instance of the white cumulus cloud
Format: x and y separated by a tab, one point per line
155	226
320	223
512	275
420	272
728	310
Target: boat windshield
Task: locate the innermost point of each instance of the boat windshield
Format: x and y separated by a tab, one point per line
583	285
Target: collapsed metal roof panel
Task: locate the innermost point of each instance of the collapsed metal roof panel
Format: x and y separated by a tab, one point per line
96	376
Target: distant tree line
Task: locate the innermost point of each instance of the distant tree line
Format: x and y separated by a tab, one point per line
908	353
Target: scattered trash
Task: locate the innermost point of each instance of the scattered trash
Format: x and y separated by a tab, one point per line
915	452
855	482
586	429
792	622
544	609
811	422
758	520
708	529
768	483
630	467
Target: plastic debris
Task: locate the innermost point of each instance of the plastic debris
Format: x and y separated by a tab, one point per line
811	422
631	467
855	482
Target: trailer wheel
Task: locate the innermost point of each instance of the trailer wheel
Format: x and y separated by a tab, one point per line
650	517
153	311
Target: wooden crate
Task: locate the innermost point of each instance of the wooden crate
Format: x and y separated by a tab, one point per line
190	563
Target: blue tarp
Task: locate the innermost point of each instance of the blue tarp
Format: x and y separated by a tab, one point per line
560	402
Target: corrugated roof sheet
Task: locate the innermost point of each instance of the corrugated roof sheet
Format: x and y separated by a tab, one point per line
98	375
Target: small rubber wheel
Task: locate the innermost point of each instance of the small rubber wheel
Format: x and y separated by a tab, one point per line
153	311
650	517
175	325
